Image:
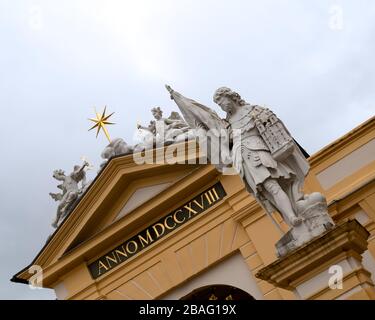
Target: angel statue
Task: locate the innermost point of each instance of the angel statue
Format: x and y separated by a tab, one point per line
70	190
164	130
266	157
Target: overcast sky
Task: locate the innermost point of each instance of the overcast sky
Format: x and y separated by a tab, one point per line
309	61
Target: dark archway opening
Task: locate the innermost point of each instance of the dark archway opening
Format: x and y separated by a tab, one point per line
218	292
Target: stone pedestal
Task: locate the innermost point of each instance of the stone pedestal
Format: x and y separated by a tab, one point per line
315	221
328	267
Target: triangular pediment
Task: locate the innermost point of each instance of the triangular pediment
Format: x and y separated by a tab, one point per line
129	194
141	195
123	198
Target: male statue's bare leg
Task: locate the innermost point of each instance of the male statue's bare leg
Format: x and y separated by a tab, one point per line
282	201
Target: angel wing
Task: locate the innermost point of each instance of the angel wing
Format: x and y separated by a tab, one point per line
199	117
175	116
56	196
176	121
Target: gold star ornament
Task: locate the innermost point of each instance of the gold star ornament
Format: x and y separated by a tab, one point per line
101	122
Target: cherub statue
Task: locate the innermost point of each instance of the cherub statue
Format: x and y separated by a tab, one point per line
265	155
166	130
70	190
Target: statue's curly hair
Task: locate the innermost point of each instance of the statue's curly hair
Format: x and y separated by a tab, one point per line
226	92
59	172
157	109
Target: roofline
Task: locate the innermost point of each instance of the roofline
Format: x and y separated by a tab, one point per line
339	142
19	280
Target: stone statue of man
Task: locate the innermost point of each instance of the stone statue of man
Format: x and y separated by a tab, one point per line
265	177
268	160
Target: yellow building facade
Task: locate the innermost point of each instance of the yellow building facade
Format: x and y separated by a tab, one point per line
161	231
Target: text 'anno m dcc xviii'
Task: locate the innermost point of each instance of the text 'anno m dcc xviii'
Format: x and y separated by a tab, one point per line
156	231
